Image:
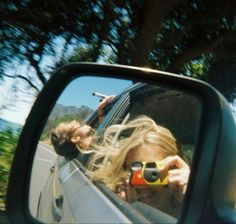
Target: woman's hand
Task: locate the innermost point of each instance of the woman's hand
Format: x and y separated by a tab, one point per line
178	175
102	105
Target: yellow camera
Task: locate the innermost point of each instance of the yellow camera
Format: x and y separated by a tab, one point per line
147	174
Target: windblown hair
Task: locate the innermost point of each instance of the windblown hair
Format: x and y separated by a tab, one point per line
61	140
108	162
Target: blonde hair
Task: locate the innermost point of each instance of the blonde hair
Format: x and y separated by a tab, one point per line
61	139
108	162
65	130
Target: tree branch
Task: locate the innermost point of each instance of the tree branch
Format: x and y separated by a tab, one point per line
199	48
35	65
155	12
25	79
103	33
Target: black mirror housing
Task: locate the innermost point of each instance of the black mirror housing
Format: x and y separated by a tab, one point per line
211	194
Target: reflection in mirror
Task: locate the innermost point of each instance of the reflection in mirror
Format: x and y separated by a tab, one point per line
138	139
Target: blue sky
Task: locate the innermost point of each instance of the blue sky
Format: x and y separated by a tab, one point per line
72	96
19	106
79	91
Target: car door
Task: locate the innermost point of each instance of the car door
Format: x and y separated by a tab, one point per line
56	202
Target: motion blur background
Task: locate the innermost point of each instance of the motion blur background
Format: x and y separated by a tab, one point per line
192	38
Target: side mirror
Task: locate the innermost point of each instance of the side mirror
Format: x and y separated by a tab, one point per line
195	113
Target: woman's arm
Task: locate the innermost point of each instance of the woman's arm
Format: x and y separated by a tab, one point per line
101	107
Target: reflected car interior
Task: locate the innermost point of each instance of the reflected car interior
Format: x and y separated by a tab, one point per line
136	100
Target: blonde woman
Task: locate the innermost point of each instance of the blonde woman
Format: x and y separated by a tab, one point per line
141	140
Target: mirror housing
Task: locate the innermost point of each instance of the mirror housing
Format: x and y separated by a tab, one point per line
211	191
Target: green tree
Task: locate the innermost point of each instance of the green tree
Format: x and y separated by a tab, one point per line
8	141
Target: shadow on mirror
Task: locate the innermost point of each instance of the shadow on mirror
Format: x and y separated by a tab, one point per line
137	139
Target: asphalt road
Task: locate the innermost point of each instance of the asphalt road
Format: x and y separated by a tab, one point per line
44	159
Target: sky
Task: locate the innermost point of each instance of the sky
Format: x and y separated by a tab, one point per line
79	91
19	106
20	109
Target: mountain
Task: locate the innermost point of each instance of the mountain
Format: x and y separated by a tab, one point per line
60	111
4	124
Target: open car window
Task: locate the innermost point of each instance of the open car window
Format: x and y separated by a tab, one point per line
145	99
173	109
176	110
93	121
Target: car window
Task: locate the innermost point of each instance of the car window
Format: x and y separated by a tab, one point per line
176	110
179	111
93	121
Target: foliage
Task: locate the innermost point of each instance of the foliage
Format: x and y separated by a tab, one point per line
222	75
175	35
8	141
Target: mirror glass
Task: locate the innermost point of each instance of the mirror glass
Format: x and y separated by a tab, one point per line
135	138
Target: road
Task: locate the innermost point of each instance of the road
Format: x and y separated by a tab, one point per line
44	159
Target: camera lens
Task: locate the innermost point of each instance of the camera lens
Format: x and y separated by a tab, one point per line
154	174
151	174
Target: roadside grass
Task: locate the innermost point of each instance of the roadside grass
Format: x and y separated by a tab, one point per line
8	141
